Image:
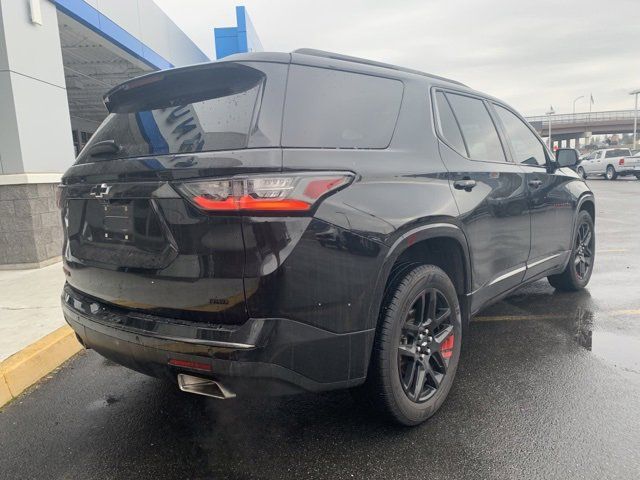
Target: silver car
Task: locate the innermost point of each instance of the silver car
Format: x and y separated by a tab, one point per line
610	163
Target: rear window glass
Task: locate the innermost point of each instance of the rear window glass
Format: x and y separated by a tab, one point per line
220	107
449	125
478	130
334	109
618	152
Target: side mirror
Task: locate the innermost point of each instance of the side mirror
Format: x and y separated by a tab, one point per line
567	157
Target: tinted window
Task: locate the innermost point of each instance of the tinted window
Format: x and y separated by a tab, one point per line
220	107
449	126
618	152
334	109
478	130
527	148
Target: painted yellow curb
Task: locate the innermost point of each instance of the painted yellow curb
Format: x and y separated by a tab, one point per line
5	394
23	369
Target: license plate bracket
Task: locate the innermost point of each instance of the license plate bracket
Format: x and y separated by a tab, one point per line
117	221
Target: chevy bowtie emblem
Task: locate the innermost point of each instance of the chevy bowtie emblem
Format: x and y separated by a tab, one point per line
100	191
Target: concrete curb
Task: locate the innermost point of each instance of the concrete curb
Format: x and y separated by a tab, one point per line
23	369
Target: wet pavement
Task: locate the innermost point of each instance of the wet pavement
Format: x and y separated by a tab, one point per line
549	387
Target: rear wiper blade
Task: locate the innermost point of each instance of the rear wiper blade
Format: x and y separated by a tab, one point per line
104	148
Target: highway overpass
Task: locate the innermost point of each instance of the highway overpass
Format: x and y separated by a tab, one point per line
565	127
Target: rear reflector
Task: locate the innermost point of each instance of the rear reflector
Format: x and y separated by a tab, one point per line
621	162
176	362
260	193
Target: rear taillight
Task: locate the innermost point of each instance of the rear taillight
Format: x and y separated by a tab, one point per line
264	193
621	162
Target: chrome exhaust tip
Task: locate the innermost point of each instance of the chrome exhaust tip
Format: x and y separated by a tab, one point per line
203	386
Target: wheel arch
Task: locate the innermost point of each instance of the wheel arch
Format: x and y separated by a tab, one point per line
587	203
419	245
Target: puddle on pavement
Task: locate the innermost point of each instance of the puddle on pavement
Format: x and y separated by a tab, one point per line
591	319
620	348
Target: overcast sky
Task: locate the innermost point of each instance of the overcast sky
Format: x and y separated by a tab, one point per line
531	54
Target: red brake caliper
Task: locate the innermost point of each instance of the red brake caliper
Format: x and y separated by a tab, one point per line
446	349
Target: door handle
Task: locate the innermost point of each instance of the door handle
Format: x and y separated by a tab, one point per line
535	183
466	184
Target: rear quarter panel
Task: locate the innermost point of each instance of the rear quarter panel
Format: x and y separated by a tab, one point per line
335	275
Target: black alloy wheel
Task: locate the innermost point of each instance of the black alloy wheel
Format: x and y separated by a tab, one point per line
583	259
579	268
417	346
425	345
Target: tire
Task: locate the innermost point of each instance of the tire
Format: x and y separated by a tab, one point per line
582	173
404	353
638	176
573	277
610	174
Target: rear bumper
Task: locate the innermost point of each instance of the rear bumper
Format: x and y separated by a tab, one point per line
263	356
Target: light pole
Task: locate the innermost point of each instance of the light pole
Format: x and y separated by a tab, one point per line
549	113
635	117
574	104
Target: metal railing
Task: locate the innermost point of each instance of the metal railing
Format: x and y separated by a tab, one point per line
583	118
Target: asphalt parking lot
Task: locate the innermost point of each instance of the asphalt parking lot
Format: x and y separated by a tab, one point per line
549	387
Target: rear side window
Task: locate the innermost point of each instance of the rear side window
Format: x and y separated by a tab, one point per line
449	128
618	152
334	109
478	130
527	149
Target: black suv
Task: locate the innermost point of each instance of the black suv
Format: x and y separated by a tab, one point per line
275	223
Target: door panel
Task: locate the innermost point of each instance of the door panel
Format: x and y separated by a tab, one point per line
588	163
490	193
550	203
495	217
597	165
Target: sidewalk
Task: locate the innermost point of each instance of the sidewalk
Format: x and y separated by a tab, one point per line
34	338
29	306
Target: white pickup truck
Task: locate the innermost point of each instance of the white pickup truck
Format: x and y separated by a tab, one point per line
610	163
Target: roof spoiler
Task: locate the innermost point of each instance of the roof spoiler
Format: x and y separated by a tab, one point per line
179	86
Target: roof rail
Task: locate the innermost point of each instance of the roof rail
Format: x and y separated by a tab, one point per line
364	61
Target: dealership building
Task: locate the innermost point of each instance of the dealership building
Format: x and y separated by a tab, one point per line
57	60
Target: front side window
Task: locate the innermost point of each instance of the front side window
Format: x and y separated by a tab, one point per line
527	149
479	132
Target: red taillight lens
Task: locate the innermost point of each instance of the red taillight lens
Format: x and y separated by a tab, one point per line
621	162
262	193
